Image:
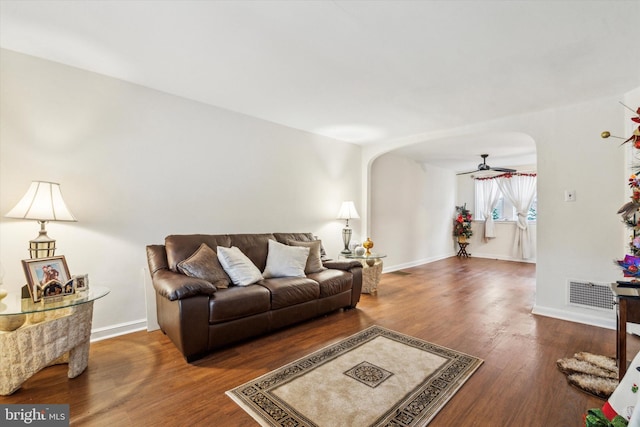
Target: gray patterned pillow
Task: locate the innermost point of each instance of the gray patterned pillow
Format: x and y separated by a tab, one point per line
314	262
204	264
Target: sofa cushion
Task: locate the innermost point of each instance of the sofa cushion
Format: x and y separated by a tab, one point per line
314	260
285	261
204	264
287	291
254	246
181	246
237	302
239	268
299	237
332	282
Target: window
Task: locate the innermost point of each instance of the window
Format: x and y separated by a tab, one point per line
500	214
504	209
533	210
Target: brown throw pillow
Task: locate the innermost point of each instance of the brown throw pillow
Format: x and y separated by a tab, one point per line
204	264
314	262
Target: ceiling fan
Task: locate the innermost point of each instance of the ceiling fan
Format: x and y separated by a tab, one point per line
485	167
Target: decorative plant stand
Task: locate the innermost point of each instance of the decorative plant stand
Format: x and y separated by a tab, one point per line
462	253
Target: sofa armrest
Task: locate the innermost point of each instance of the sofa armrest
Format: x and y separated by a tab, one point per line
355	268
174	286
170	284
342	265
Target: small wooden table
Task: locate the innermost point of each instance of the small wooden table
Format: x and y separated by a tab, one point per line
628	311
463	250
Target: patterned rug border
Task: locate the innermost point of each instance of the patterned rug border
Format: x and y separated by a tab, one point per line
417	408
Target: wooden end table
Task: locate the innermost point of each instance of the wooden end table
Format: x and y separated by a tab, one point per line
628	311
50	332
462	253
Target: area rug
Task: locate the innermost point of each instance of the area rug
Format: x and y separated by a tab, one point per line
373	378
592	373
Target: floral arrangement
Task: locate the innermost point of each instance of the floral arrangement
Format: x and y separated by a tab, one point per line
631	263
462	223
630	266
629	216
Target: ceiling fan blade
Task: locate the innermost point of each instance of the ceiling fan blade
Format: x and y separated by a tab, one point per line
484	167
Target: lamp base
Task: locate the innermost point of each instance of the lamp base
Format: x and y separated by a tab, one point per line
41	250
346	238
42	246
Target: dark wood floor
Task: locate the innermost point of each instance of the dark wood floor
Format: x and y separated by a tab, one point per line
480	307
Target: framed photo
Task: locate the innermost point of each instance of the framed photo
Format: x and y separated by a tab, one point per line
50	273
53	288
81	282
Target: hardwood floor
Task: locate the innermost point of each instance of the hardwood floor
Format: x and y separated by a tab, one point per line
480	307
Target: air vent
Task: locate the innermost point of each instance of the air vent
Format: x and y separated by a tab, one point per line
591	295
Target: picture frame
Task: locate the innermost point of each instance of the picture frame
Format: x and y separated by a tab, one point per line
81	282
51	272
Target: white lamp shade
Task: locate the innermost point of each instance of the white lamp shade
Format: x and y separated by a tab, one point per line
348	211
43	202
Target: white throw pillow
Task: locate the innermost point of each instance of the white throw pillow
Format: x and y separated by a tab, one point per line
285	261
240	269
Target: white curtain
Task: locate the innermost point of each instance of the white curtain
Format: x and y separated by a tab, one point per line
520	190
488	195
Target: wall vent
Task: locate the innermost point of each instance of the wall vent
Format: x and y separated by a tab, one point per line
591	295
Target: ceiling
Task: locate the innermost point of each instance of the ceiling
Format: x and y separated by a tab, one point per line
357	71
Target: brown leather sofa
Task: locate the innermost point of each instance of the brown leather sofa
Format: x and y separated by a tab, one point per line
199	317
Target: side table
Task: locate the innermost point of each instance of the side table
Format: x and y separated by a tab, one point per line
628	311
462	253
36	335
371	270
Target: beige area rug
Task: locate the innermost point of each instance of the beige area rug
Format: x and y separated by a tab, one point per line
592	373
376	377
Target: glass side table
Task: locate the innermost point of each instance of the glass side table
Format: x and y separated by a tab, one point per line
371	271
54	332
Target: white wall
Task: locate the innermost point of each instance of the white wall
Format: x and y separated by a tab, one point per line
412	207
136	165
500	247
578	240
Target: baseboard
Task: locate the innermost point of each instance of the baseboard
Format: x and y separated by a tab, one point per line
502	258
100	334
389	269
576	317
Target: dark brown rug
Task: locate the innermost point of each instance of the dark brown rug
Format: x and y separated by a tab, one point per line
591	373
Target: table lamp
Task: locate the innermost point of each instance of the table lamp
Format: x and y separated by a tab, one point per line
42	202
347	211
